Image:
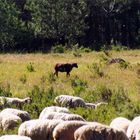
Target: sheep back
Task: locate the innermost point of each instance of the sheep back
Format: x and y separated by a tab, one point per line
37	129
98	132
22	114
120	123
9	121
47	110
65	130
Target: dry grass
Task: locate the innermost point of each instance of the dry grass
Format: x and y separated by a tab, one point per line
14	66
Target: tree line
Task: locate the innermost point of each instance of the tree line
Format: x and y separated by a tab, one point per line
32	25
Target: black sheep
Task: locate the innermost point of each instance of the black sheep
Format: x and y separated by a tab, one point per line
67	67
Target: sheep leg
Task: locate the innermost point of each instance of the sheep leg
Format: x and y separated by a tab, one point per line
68	74
56	73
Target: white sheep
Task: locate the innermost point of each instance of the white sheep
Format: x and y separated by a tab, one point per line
22	114
38	129
69	101
53	109
133	131
62	116
6	101
98	132
9	121
65	130
120	123
14	137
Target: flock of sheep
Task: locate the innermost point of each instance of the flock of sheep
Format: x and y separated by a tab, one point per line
58	123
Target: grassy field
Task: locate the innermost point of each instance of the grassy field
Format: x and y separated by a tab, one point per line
93	81
13	71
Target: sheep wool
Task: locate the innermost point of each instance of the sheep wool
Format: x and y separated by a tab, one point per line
120	123
98	132
22	114
62	116
38	129
47	110
65	130
9	121
69	101
133	131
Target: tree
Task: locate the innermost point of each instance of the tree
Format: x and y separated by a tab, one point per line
63	20
8	24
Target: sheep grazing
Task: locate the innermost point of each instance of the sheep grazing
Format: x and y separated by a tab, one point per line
120	123
65	130
6	101
133	131
22	114
38	129
61	116
9	121
98	132
67	67
14	137
53	109
69	101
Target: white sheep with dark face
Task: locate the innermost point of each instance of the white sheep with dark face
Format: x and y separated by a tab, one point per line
49	109
24	116
69	101
9	121
7	101
10	118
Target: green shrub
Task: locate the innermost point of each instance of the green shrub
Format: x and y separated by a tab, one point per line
30	67
84	49
41	98
118	47
104	59
125	65
96	70
58	49
23	79
51	77
77	54
78	85
5	90
43	79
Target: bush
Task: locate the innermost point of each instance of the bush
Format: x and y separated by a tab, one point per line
23	79
104	59
84	50
40	99
58	49
118	47
96	70
5	91
51	78
125	65
78	85
30	67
